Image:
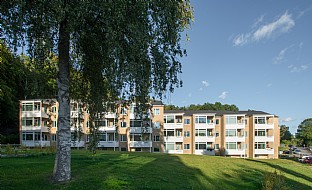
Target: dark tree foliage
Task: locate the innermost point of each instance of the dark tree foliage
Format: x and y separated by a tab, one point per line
123	49
304	132
285	133
205	106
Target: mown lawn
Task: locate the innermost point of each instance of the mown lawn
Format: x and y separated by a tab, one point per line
117	170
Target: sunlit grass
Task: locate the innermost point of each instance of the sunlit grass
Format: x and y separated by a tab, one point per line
123	170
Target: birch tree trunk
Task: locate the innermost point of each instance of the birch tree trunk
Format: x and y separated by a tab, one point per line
62	171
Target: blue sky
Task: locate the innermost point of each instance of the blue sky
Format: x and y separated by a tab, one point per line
254	54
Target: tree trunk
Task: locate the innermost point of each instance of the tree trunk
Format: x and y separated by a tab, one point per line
61	171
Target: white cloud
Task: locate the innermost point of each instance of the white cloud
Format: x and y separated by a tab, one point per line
223	95
281	56
301	13
205	83
269	85
287	119
281	25
258	21
294	69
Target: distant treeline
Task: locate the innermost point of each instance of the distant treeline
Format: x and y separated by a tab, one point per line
205	106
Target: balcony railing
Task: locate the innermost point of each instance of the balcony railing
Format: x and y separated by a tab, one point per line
108	144
264	126
264	138
173	138
173	125
264	151
235	151
235	139
204	125
140	130
204	138
140	144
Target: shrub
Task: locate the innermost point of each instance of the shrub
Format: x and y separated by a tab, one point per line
274	181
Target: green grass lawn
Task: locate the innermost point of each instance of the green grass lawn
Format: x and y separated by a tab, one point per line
123	170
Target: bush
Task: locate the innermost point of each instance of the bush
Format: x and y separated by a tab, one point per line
274	181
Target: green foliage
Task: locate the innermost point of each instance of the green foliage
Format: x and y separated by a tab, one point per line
274	181
285	133
304	132
206	106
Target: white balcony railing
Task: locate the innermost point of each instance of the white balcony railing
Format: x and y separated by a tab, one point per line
31	128
107	128
140	130
108	144
264	126
264	138
140	144
174	151
77	144
235	151
205	152
235	139
110	115
204	139
173	125
235	126
173	139
205	126
264	151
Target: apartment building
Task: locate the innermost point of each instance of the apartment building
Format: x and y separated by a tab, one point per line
247	134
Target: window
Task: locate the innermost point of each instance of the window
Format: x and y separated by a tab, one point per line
45	123
230	132
37	136
101	123
110	136
260	132
187	134
37	107
187	121
44	137
27	121
54	123
178	133
217	121
231	119
27	107
179	119
123	111
102	137
209	132
156	125
28	137
216	146
156	149
156	138
178	146
138	149
217	133
200	146
123	124
53	109
259	120
231	145
53	137
135	123
123	149
168	132
260	145
246	133
200	119
187	146
169	119
123	138
156	111
132	108
200	132
88	124
169	146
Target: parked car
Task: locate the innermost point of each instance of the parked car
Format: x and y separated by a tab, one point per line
303	158
297	151
308	160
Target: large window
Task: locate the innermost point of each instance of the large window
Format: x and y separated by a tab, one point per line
169	146
27	121
200	132
179	133
187	133
216	146
110	137
200	119
259	120
123	138
101	123
231	119
156	138
37	136
37	107
200	146
187	121
260	145
187	146
156	111
230	132
27	107
123	124
231	145
260	132
169	119
135	123
28	136
168	132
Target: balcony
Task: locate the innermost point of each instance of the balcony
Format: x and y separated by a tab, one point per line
140	130
108	144
34	114
173	125
31	128
139	116
264	138
140	144
205	152
173	139
264	151
108	128
110	115
205	126
77	144
235	151
76	114
235	126
204	139
264	126
174	151
235	139
32	143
